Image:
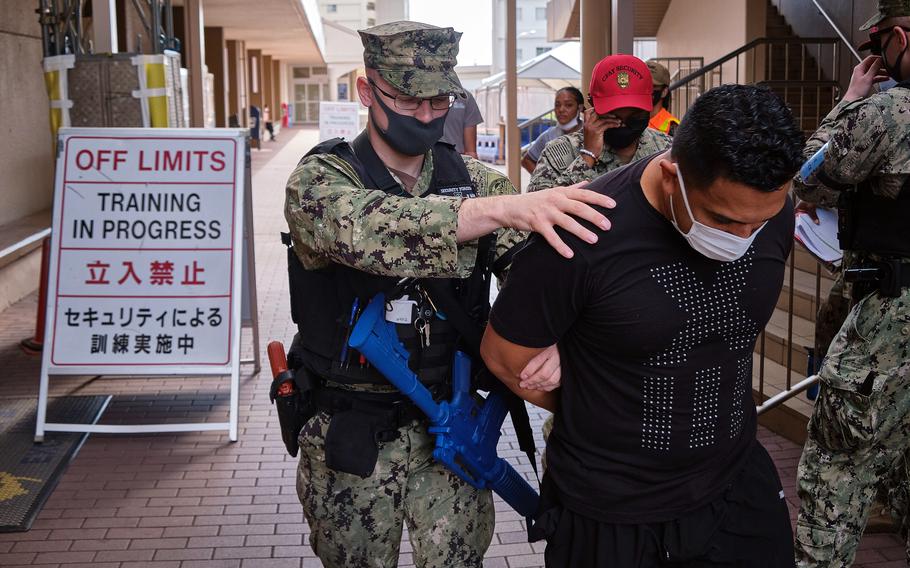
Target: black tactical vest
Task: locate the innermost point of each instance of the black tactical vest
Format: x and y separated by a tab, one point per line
876	224
322	300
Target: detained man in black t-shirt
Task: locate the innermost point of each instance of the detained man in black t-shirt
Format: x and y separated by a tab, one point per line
653	460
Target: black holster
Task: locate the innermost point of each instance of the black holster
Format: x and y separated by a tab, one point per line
292	415
295	409
888	277
359	423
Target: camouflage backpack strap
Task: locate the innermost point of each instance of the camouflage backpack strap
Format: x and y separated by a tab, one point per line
344	153
374	173
329	146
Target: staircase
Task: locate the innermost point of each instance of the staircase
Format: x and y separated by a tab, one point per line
793	72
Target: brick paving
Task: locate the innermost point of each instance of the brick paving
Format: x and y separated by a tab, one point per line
196	500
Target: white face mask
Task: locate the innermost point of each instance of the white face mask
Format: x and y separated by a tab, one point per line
711	242
569	125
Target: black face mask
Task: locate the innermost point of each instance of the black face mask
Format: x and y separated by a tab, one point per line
408	135
893	70
626	135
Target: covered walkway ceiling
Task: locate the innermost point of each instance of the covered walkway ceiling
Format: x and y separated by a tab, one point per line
290	30
648	16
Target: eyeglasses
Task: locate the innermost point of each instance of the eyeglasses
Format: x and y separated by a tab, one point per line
876	47
407	102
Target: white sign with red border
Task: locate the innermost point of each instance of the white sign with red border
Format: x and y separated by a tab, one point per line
145	267
338	120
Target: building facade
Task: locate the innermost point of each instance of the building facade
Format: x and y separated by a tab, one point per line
335	80
531	16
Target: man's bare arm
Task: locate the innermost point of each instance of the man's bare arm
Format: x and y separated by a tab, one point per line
506	360
537	212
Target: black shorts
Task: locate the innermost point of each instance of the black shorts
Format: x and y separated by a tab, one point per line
746	527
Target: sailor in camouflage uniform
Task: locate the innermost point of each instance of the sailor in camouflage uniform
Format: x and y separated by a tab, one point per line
396	203
860	427
615	129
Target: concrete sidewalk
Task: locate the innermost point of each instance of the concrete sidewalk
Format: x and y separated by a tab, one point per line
196	500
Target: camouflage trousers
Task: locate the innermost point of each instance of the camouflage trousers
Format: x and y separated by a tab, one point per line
357	522
831	315
859	431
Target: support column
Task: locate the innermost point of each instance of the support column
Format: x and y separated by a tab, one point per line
623	27
277	96
254	77
333	83
104	26
596	36
284	87
195	60
236	81
216	62
266	75
513	139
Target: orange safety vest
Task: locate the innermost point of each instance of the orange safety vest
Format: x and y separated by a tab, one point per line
662	121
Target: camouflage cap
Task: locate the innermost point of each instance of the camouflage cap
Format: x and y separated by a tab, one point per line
417	59
660	76
888	9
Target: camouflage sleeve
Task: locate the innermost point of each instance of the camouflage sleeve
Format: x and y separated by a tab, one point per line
866	135
544	174
333	218
819	194
490	182
652	142
579	170
559	165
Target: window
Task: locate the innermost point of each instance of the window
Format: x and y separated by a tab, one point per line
301	72
518	14
371	6
371	22
540	14
518	55
331	8
319	70
542	50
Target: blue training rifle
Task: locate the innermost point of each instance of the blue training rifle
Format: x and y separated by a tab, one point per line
467	431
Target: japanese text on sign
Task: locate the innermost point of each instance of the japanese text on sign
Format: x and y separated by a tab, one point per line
145	251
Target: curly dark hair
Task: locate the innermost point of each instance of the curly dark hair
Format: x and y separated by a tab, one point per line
742	133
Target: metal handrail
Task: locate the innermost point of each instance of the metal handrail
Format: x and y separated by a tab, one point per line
752	44
536	119
805	84
22	244
837	30
784	396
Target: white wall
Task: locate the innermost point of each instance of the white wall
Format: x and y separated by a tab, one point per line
391	11
710	29
26	160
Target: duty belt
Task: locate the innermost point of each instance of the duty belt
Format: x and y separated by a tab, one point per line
394	409
889	276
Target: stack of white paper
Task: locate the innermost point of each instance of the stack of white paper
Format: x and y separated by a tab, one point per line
820	240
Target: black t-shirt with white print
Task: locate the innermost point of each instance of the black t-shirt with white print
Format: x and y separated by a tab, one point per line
656	414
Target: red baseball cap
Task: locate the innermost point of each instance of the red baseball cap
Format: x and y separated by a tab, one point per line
620	81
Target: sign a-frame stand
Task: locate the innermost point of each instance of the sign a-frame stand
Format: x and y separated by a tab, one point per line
152	262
